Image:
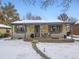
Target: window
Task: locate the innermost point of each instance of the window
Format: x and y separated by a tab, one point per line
20	28
54	28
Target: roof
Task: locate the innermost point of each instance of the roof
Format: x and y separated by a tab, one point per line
77	22
36	21
4	26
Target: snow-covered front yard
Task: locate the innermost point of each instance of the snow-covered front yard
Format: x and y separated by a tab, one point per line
17	49
60	50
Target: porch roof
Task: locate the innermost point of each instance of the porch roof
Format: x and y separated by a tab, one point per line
37	22
4	26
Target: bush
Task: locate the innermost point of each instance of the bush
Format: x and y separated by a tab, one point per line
0	35
4	35
32	35
65	36
68	33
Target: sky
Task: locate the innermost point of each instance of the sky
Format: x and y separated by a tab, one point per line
46	14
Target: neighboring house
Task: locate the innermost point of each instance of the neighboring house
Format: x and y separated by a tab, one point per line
4	29
75	28
39	28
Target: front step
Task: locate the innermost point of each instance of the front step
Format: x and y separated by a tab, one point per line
40	39
57	41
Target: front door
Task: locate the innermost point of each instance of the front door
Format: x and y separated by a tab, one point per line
37	30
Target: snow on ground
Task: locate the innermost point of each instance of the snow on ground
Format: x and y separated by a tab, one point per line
60	50
17	49
75	37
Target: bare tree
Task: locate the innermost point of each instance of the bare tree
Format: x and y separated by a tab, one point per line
72	19
0	2
46	3
63	17
37	18
31	17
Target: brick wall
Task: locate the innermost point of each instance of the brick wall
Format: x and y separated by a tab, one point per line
75	29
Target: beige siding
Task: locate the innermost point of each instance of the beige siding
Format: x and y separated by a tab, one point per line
44	28
30	28
64	28
2	31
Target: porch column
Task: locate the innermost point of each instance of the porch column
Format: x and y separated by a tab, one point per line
25	28
12	31
60	28
71	31
49	29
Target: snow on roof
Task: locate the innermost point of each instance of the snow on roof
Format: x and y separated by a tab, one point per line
36	21
4	26
77	22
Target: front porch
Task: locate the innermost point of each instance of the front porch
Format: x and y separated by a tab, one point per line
53	31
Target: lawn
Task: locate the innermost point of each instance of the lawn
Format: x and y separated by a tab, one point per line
17	49
60	50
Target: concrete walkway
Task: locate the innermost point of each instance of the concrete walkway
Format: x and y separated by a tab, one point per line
39	52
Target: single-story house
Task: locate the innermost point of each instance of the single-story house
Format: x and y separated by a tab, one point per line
25	28
4	29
